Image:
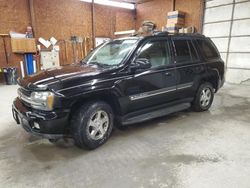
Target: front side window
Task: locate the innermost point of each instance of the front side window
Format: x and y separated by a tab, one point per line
156	52
110	53
207	49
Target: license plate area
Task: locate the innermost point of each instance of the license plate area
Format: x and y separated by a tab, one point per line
18	119
16	116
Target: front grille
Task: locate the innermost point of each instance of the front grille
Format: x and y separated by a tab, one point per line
24	95
25	92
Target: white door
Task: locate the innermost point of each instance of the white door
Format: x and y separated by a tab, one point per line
227	23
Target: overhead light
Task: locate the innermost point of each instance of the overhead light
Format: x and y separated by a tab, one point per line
124	32
112	3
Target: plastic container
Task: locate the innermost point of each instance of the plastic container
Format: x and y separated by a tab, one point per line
29	64
10	75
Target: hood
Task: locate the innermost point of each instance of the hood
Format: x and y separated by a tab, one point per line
50	77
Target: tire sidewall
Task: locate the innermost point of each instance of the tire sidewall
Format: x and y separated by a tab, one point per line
197	105
83	135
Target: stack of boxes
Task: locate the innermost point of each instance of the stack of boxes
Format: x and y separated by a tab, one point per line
176	20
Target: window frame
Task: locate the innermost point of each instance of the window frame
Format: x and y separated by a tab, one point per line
191	42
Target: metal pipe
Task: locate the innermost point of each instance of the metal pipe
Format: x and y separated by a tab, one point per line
93	23
202	15
5	51
173	5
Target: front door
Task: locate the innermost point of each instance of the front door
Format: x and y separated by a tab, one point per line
151	87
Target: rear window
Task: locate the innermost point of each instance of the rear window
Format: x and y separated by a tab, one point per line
207	49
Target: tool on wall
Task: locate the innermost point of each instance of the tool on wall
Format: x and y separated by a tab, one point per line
5	48
86	46
73	41
79	47
72	50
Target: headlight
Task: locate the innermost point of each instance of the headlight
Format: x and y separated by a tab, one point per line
42	100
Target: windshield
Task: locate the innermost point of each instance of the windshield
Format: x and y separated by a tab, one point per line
110	53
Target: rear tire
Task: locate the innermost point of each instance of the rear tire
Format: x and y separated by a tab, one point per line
204	97
91	125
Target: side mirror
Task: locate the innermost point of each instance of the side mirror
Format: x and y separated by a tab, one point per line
140	64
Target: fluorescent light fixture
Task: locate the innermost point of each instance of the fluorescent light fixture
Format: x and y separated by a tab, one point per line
112	3
124	32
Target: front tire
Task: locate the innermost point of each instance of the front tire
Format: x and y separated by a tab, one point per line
204	97
92	124
53	141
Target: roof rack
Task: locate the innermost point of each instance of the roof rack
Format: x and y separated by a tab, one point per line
192	34
161	33
166	33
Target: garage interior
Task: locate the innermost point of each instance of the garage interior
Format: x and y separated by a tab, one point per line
184	149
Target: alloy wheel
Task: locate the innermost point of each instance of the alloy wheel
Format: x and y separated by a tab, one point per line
98	125
205	97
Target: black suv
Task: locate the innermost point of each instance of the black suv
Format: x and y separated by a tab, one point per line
121	82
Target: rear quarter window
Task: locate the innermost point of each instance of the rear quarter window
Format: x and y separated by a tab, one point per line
207	49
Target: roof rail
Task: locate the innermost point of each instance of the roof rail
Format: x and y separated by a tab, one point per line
198	34
161	33
166	33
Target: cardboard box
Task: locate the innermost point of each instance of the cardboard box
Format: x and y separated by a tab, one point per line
187	30
176	17
172	29
24	45
181	30
175	25
176	21
176	14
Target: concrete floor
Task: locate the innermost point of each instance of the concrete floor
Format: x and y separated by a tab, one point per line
186	149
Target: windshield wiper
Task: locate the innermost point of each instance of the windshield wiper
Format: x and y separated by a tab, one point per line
99	64
83	62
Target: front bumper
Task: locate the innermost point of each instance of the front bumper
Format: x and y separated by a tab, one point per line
52	124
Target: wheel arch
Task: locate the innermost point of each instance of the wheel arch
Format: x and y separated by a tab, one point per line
212	77
108	95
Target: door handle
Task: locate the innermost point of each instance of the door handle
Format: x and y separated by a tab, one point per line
168	73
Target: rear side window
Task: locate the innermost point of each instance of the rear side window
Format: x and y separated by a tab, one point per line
182	51
193	52
207	49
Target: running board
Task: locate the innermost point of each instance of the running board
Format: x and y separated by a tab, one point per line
155	114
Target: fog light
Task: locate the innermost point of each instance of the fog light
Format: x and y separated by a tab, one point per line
36	125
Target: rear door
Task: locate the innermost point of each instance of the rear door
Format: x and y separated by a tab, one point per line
189	67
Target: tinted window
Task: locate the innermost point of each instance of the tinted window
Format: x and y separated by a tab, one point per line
193	52
156	52
182	51
207	49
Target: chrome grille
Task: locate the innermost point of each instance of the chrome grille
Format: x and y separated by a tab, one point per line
24	96
24	91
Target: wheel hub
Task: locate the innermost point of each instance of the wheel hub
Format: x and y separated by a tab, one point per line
98	125
206	96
